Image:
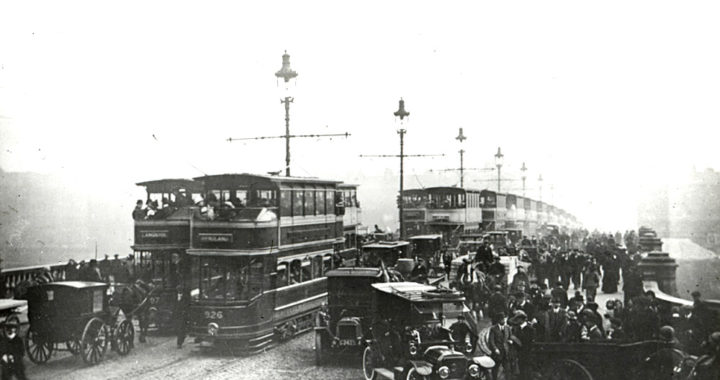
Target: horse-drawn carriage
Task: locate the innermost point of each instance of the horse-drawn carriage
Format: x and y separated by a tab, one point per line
76	314
429	249
597	360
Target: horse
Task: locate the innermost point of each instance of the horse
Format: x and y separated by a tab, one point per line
133	300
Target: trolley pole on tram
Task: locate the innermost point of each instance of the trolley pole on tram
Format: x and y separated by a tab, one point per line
286	73
401	113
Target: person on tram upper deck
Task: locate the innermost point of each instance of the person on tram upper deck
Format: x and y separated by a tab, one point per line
139	213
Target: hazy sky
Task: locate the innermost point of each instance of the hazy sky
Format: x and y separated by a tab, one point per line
598	97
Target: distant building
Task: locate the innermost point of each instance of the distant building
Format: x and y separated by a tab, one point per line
689	210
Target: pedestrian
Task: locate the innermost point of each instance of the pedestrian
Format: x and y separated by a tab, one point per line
12	352
499	344
180	314
591	280
525	334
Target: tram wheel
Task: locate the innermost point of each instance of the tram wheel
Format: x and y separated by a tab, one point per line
369	364
38	348
94	341
73	345
124	335
568	370
318	349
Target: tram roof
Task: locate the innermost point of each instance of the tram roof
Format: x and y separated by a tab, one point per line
347	186
423	237
248	179
452	189
171	184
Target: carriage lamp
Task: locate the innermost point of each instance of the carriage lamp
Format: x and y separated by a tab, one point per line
213	329
413	349
474	370
443	372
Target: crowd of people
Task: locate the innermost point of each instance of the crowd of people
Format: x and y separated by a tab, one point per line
536	307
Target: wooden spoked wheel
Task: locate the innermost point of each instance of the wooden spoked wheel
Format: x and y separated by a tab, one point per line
124	336
37	347
368	364
568	370
94	342
73	346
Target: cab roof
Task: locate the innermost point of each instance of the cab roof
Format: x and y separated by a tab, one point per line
387	244
171	184
73	284
414	292
422	237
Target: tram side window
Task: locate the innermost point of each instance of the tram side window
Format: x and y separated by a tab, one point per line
327	263
282	275
306	270
317	266
286	202
295	272
329	202
264	198
309	202
298	202
320	208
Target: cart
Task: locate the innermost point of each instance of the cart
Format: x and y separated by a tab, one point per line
595	360
75	314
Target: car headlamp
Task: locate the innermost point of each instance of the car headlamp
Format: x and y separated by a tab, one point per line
444	372
474	370
413	349
213	329
468	348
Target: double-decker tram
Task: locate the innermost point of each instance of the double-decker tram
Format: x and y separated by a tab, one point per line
261	246
448	211
162	237
346	196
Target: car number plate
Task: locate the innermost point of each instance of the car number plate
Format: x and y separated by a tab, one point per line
347	342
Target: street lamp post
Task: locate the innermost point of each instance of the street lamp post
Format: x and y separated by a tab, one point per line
286	73
461	138
523	169
402	114
499	163
540	180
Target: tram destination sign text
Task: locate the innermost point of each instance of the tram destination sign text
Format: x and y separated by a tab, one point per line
216	238
154	234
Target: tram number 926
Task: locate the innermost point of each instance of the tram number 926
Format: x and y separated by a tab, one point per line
212	314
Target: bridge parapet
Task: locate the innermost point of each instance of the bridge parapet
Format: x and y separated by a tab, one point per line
659	267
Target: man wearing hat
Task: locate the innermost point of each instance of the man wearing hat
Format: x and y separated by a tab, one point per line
556	320
590	331
525	336
499	344
571	330
12	351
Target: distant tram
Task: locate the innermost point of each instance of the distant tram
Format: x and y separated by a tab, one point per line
454	211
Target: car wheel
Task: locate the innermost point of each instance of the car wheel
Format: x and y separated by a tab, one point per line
369	364
412	374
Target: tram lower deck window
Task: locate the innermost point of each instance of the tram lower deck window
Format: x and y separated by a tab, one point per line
230	278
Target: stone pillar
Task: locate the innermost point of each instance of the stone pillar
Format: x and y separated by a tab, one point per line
659	267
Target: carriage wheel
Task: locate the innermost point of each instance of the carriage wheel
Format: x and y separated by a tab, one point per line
73	346
94	341
38	349
369	364
318	349
568	370
124	335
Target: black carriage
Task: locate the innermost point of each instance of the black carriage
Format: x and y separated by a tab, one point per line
389	252
597	360
410	339
75	314
343	325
